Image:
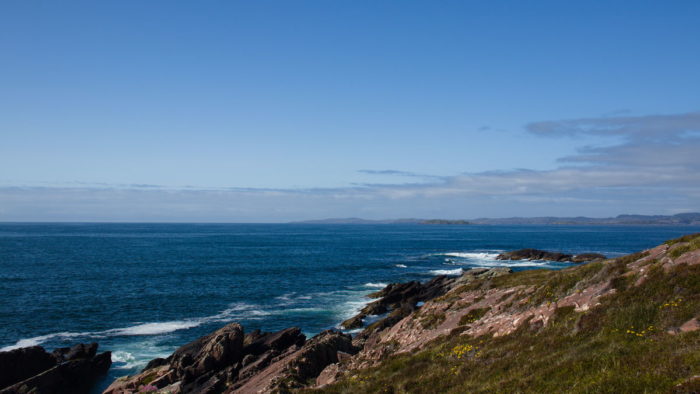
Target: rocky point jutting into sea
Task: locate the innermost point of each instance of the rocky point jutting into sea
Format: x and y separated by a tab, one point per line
628	324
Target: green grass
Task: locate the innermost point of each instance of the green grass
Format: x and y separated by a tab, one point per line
620	346
685	238
430	320
473	315
692	244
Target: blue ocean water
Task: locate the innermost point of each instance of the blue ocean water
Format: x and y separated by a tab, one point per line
142	290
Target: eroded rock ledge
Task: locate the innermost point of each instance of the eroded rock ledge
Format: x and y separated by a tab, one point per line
537	254
66	370
230	361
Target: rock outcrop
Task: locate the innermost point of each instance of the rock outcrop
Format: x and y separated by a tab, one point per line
398	300
537	254
66	370
229	361
477	328
461	314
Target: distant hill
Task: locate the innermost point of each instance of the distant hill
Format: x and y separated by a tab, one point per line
678	219
386	221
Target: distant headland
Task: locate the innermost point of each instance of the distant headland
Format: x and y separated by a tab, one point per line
678	219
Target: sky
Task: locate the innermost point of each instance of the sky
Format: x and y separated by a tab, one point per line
274	111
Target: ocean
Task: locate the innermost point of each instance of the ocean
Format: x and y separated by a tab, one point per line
142	290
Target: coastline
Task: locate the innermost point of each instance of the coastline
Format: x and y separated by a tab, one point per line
384	315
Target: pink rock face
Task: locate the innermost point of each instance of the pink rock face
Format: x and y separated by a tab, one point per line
284	361
691	325
507	310
690	258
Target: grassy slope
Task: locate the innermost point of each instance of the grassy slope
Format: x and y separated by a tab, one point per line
620	346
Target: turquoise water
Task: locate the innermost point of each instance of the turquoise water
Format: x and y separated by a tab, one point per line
141	290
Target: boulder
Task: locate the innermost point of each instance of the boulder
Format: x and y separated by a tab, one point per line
533	254
66	370
20	364
319	352
356	321
210	353
80	350
276	341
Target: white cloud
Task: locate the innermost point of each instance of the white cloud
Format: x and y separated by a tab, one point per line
654	170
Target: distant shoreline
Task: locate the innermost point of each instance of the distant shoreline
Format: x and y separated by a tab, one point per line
673	220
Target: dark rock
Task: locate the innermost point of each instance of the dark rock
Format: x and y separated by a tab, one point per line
319	352
215	351
279	340
215	363
247	360
533	254
75	375
156	362
536	254
296	369
356	321
585	257
80	350
251	337
401	296
19	364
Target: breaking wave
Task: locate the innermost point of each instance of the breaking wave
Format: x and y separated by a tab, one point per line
457	271
238	310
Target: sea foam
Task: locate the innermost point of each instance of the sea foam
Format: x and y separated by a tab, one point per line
457	271
473	255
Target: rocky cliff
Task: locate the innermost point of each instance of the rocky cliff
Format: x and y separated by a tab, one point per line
628	324
624	325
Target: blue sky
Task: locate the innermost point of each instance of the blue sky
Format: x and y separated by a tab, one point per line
281	110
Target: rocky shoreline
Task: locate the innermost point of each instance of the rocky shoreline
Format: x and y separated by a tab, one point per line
231	361
403	318
65	370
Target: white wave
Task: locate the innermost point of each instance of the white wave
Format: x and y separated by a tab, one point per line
377	285
121	356
125	360
134	355
288	311
34	341
285	297
457	271
236	311
352	307
239	310
473	255
401	266
155	328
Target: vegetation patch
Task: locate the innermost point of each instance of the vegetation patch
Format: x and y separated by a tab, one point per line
630	258
620	346
473	316
431	320
691	245
685	238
